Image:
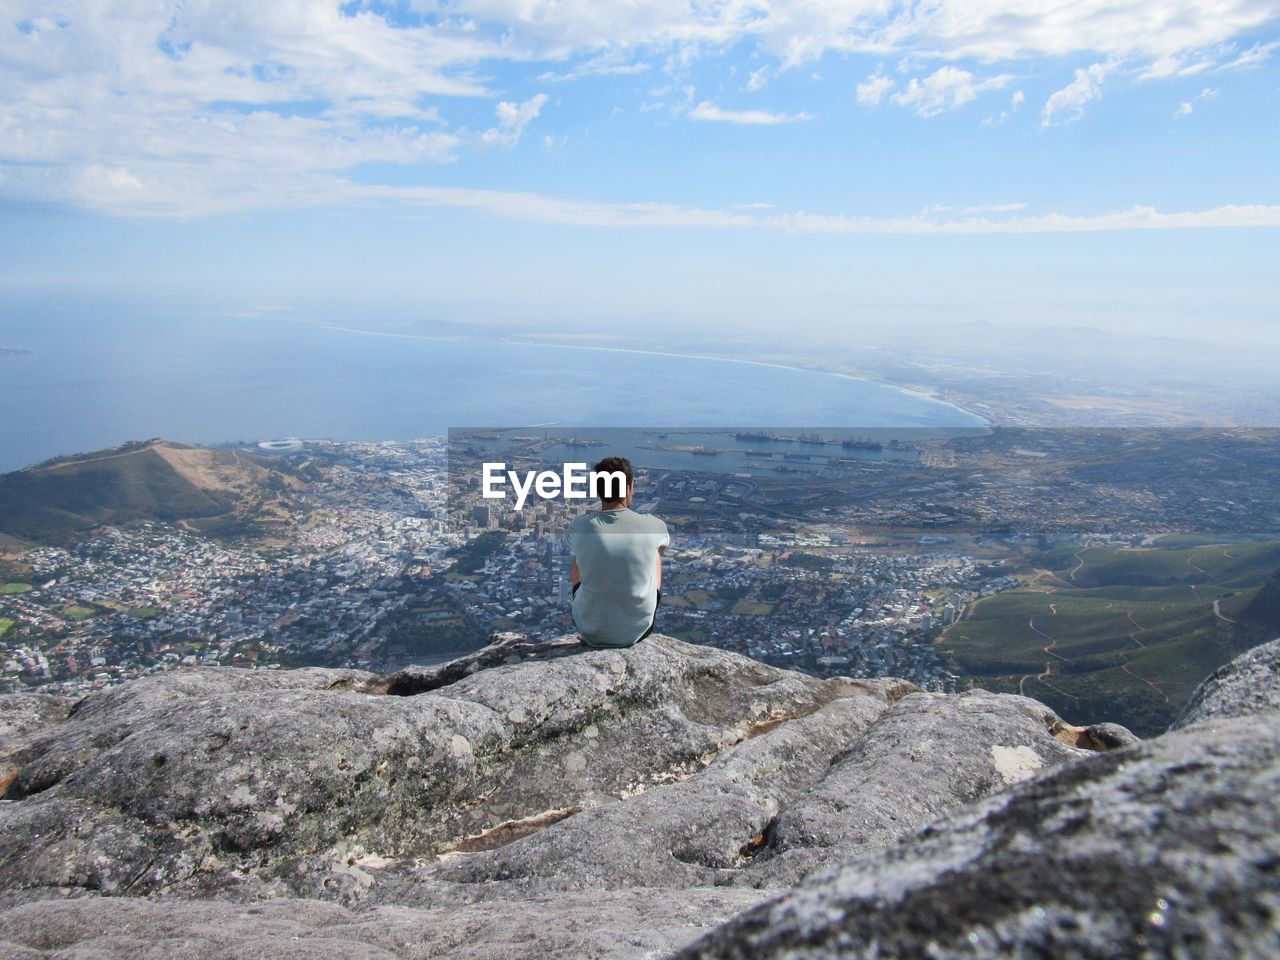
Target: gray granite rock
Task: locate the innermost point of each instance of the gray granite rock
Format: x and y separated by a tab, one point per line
1106	736
928	755
698	832
1168	848
1249	684
526	800
23	716
236	783
610	925
849	778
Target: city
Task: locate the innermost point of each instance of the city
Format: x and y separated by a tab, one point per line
851	569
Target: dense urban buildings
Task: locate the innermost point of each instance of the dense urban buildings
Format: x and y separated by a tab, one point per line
851	567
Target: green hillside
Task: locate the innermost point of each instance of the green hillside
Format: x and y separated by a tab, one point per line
1133	641
1261	607
1233	563
55	502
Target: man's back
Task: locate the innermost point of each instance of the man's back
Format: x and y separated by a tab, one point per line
616	552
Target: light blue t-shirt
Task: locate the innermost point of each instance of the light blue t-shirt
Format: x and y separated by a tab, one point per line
617	552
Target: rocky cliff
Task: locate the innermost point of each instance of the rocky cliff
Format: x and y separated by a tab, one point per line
553	801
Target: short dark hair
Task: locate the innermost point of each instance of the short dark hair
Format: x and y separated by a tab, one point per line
611	465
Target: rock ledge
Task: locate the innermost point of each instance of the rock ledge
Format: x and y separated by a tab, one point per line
556	801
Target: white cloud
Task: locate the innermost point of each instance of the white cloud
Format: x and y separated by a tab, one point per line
1015	102
611	63
800	31
978	208
1187	107
128	104
1135	218
758	79
1251	57
872	90
110	179
1086	86
120	163
115	191
947	88
545	209
706	110
212	105
512	119
971	220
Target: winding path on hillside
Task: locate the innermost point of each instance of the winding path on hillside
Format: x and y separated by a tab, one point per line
1079	563
1044	676
1139	628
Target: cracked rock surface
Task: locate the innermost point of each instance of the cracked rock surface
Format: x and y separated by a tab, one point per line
530	799
1168	848
22	717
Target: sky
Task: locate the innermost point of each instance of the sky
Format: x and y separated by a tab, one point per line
788	166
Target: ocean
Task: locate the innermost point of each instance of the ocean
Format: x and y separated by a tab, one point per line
78	384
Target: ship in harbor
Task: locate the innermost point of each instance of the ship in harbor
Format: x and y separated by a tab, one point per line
861	444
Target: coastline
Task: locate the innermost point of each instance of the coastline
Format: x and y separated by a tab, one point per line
53	418
918	394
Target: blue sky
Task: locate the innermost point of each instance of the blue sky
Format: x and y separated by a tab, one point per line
806	166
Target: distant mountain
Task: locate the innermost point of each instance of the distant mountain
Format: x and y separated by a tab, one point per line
217	491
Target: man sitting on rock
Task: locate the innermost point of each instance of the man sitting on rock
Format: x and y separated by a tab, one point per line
617	563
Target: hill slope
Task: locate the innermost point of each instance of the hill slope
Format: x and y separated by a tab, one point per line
1120	632
53	503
